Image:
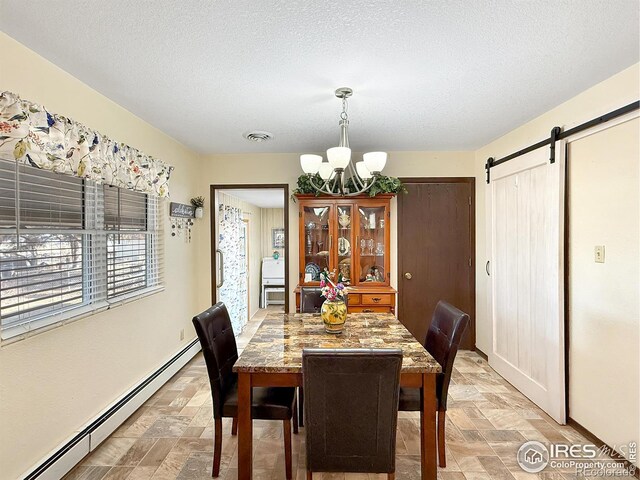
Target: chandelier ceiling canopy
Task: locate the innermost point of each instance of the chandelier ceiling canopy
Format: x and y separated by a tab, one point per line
338	175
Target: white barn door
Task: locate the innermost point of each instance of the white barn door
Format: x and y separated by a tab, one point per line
527	304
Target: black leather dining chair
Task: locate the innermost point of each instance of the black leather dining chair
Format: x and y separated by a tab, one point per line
219	348
351	409
443	339
310	300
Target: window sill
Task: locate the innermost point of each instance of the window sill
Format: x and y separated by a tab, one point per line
130	297
15	333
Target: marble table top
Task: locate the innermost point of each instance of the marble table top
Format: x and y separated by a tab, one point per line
277	345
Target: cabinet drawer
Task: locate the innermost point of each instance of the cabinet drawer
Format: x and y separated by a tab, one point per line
376	299
354	299
372	309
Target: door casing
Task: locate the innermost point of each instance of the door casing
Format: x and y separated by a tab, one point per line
213	189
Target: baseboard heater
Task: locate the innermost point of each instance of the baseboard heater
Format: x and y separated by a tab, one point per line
66	456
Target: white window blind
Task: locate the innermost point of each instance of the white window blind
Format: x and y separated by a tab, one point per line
68	246
133	252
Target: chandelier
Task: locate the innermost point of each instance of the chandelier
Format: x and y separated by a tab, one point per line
338	176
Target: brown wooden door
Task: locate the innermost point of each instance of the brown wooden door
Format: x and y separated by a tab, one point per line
436	244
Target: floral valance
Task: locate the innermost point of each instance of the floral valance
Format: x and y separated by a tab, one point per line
32	135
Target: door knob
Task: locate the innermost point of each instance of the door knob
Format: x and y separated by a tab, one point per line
408	276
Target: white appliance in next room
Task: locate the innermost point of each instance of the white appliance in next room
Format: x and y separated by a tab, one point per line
272	280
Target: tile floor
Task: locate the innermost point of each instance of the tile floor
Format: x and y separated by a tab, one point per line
170	436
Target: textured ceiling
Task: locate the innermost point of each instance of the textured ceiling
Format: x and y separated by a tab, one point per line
427	75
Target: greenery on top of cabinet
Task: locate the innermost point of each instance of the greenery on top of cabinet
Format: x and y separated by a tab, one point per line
382	185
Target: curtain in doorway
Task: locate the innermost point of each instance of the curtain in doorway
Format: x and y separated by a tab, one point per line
232	243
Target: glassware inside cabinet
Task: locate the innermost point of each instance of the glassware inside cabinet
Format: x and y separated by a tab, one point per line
371	235
345	225
317	236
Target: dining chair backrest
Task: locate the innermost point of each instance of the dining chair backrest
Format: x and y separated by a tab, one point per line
443	339
220	351
310	300
351	409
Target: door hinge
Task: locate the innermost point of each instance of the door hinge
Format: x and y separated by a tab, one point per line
300	214
469	199
469	261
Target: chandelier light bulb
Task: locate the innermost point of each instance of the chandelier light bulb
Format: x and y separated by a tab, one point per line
310	163
339	157
375	161
363	171
325	170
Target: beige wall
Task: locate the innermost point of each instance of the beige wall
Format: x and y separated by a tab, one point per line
619	90
285	168
271	218
54	382
604	298
253	215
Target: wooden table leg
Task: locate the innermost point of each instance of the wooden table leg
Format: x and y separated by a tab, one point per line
428	433
245	430
300	406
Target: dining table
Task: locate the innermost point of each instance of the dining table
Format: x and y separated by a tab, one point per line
273	357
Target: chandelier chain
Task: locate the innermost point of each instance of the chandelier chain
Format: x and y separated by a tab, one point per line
345	108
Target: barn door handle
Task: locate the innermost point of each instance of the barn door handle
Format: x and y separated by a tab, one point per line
486	267
221	268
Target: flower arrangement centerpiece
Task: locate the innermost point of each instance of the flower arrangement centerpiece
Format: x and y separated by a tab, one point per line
334	308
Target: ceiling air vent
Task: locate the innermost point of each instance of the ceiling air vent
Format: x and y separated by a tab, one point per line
258	136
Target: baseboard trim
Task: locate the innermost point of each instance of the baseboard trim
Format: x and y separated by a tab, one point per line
482	354
66	456
600	444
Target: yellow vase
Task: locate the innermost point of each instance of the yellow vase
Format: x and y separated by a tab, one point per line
334	314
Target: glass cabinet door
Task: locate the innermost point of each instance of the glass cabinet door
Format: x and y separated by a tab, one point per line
371	245
345	241
317	238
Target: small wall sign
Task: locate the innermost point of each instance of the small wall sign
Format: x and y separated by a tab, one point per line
181	210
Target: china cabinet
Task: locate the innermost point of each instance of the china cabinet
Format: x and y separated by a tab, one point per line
348	235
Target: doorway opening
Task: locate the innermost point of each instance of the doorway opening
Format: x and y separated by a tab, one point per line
249	250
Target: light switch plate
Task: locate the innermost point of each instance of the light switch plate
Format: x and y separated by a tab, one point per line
599	253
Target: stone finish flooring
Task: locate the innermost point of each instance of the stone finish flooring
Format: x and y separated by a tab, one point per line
171	435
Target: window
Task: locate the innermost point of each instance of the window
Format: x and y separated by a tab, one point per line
68	246
126	213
